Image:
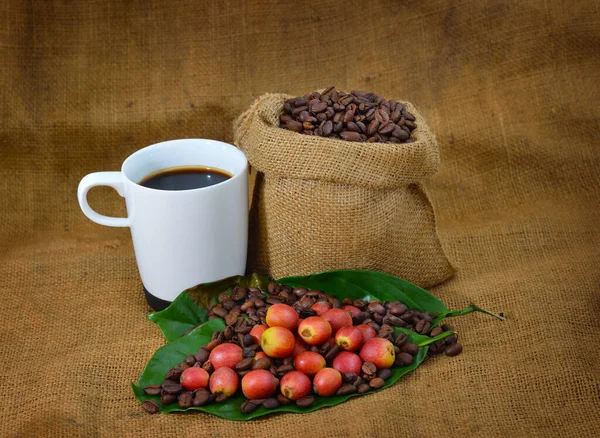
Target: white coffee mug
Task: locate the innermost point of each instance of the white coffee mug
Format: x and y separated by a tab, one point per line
185	237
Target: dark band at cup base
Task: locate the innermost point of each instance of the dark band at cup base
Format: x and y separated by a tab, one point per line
155	302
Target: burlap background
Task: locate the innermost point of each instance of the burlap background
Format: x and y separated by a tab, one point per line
510	90
321	204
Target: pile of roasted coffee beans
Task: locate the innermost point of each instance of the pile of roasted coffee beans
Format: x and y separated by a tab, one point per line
354	116
291	344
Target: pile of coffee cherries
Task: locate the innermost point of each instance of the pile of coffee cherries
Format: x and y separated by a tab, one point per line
292	344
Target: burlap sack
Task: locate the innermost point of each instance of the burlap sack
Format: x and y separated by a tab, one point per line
321	204
512	90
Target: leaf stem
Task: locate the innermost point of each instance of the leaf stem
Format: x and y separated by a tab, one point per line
435	339
487	312
470	309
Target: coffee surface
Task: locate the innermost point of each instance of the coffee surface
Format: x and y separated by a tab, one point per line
185	178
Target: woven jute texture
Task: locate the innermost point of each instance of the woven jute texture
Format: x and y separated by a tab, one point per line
510	90
321	204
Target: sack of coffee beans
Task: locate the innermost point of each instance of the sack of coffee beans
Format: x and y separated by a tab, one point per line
321	202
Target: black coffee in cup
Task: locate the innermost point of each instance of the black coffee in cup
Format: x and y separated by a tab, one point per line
184	178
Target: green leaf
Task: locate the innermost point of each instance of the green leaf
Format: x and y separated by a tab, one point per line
169	355
188	313
190	307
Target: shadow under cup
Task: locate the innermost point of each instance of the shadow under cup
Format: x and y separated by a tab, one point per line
186	237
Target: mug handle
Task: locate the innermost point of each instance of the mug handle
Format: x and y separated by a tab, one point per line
110	179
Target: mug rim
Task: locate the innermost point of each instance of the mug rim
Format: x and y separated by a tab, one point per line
162	144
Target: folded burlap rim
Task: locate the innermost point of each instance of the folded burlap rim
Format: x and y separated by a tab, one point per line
282	153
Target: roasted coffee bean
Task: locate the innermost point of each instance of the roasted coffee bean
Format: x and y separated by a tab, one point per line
385	331
221	398
247	306
283	369
427	317
349	377
175	372
351	126
327	128
248	407
452	339
358	319
228	333
404	359
259	303
387	128
378	318
228	305
243	327
453	350
271	403
400	133
264	363
396	321
377	383
248	340
190	360
435	332
360	304
324	348
239	293
369	368
318	107
185	400
244	364
150	406
374	325
296	112
201	397
350	136
376	307
385	373
248	352
396	349
422	327
332	353
401	339
363	387
305	402
300	292
172	388
167	399
219	311
255	292
346	390
152	389
410	348
396	308
408	316
283	399
447	327
300	101
207	366
273	300
212	344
